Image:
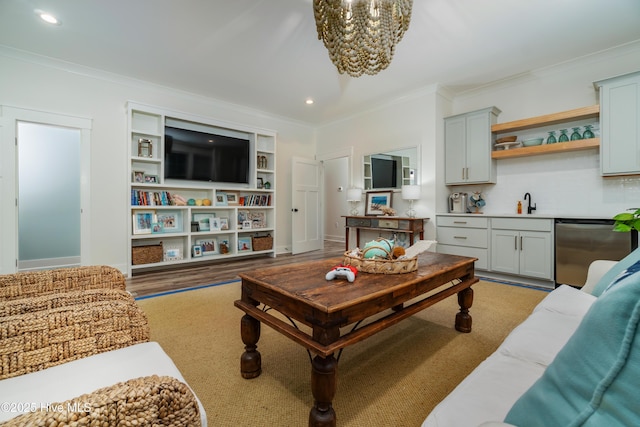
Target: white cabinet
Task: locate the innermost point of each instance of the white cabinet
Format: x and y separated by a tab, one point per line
468	145
620	124
464	236
522	247
173	221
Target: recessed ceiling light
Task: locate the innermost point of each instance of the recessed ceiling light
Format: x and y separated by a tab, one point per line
309	101
47	17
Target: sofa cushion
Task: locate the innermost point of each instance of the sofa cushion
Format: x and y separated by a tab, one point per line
610	275
593	379
73	379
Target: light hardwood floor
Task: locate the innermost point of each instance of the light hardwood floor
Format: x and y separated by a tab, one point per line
157	281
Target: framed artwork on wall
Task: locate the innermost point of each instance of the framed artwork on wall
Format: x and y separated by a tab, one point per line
376	200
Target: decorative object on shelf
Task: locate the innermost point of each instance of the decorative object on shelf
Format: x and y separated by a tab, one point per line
221	199
224	223
233	198
563	136
151	179
178	200
552	137
512	138
476	200
203	220
195	226
171	221
532	141
262	243
361	35
173	254
376	200
411	193
260	183
145	147
191	202
263	163
354	196
196	251
576	136
588	133
223	246
267	185
146	254
387	211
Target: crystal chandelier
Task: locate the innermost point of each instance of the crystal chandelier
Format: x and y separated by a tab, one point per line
361	35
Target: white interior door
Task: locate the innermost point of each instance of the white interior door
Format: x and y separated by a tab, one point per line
306	207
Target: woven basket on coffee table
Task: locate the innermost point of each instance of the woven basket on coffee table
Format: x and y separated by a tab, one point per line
380	265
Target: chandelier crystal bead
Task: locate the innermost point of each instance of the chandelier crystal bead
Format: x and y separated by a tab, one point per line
361	35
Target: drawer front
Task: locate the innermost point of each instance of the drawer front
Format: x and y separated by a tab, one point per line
462	221
388	223
482	254
358	222
470	237
526	224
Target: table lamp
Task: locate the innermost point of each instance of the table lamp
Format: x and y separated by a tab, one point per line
354	195
411	193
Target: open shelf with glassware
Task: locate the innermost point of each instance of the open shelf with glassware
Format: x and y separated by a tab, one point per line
179	221
539	122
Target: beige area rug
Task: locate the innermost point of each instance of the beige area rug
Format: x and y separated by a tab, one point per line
393	378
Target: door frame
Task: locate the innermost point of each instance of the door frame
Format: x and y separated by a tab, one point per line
9	118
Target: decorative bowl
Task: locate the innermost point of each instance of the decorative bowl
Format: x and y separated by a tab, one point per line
532	141
506	139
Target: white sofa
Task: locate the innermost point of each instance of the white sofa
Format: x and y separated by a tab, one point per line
513	384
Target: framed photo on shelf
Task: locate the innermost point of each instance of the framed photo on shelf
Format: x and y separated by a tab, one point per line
156	228
258	219
244	244
215	224
171	221
209	246
151	179
143	222
204	221
260	183
221	199
224	223
137	176
246	225
196	251
173	254
233	198
376	200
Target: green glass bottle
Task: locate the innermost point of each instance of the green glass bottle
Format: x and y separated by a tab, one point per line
563	136
588	133
552	137
575	136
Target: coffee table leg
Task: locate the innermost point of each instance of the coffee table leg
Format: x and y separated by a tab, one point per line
250	361
463	318
323	387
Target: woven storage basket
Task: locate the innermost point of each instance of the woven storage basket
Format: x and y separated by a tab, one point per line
381	266
261	243
146	254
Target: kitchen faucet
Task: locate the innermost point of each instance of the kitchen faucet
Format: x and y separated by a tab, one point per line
529	207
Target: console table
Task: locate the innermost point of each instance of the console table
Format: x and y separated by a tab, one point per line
383	223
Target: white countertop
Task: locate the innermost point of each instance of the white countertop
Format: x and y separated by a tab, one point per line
524	215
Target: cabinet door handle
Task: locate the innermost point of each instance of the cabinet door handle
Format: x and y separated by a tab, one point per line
463	173
521	243
459	222
515	243
459	237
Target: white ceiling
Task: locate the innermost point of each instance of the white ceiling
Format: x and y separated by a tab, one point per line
265	54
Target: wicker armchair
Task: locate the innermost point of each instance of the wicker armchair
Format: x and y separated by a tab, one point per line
38	283
55	317
157	401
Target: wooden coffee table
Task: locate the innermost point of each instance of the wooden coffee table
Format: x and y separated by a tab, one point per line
301	292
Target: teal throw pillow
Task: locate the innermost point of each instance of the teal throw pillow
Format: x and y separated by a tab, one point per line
593	380
610	275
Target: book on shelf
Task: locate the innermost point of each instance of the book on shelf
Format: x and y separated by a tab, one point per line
150	198
255	200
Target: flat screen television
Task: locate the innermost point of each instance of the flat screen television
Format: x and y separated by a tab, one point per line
200	156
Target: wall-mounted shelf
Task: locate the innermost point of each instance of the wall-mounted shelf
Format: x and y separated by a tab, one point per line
582	113
583	144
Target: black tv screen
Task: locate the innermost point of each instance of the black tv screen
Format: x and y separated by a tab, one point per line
384	173
200	156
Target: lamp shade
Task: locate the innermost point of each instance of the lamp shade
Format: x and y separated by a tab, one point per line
354	194
410	192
